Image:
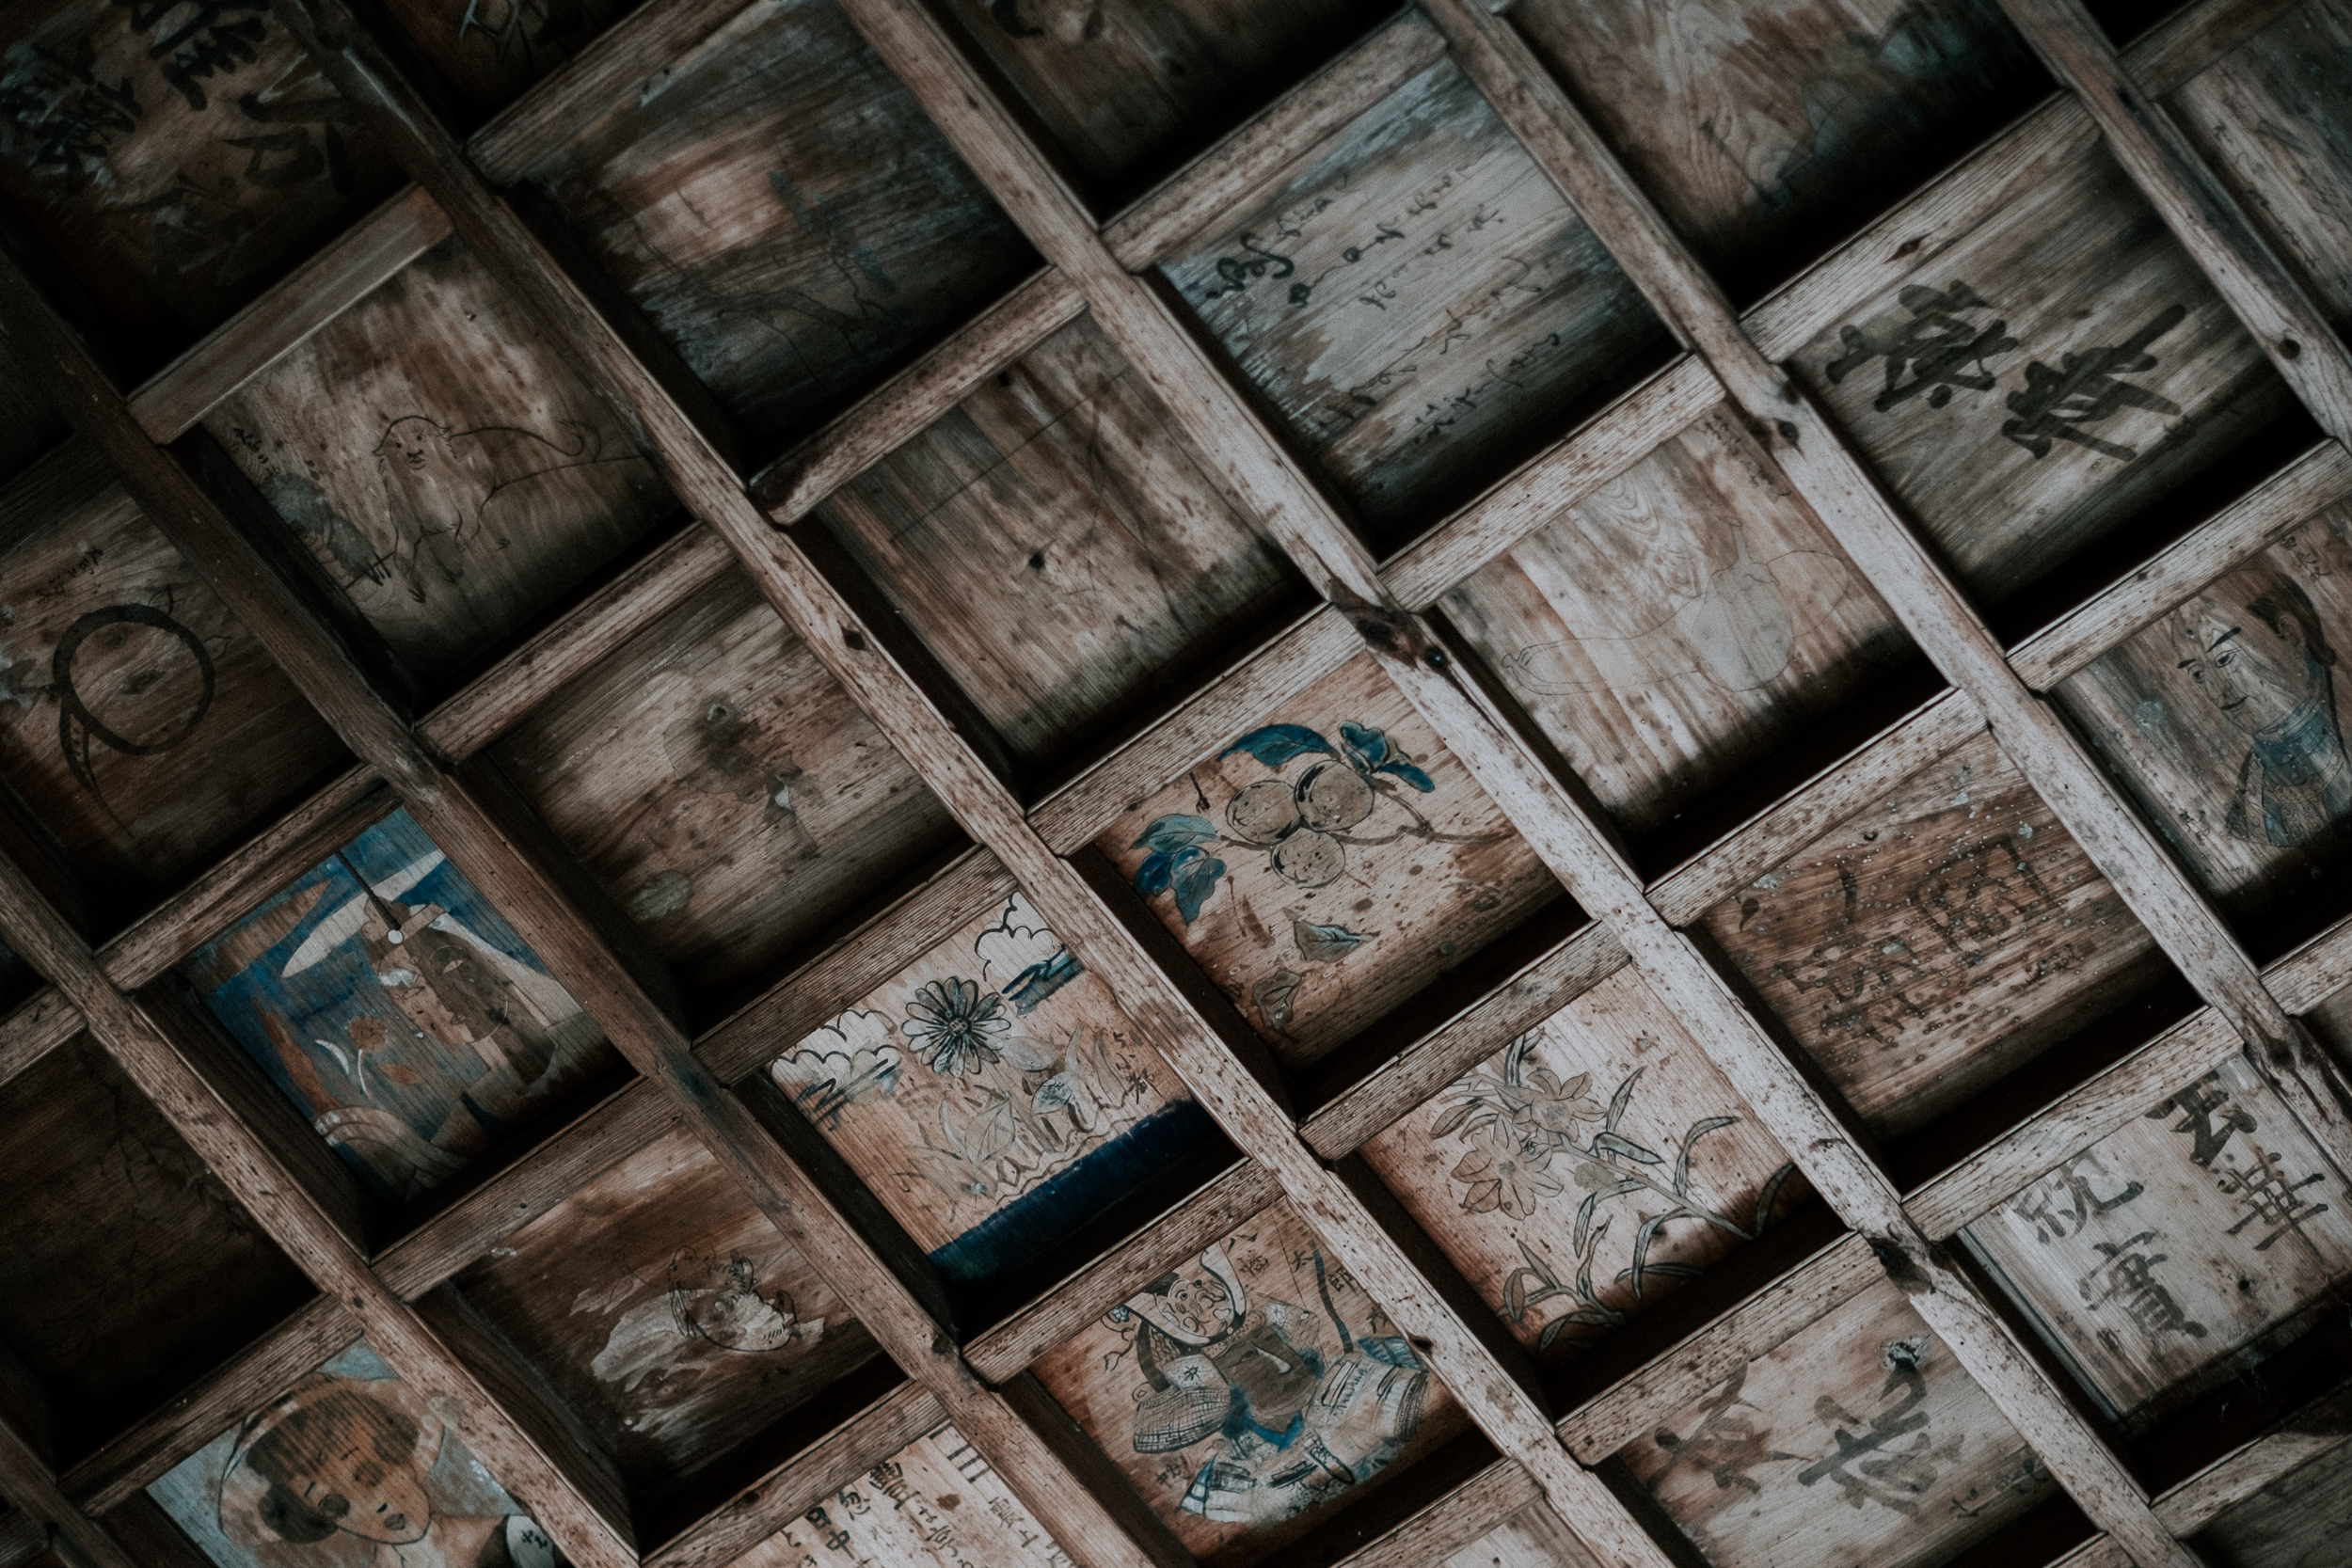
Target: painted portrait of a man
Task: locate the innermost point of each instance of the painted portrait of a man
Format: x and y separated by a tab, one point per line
2256	650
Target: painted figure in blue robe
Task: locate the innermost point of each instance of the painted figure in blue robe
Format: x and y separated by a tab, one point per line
2258	652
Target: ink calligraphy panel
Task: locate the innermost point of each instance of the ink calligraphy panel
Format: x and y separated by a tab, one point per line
2299	1520
177	155
1328	863
666	1312
1063	549
994	1096
1606	1112
1126	90
2045	378
266	1494
399	1011
1250	1391
1925	948
2151	1255
786	214
2223	721
727	790
127	1270
1860	1442
450	474
933	1504
140	719
490	50
1679	624
1418	305
1766	132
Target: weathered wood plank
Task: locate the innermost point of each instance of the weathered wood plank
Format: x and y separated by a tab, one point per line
1532	1537
491	53
2306	1439
34	1028
2296	1519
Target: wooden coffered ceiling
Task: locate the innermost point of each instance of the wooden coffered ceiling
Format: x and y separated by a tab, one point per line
1162	782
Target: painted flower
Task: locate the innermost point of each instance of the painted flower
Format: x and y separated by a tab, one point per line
1508	1174
1554	1106
953	1025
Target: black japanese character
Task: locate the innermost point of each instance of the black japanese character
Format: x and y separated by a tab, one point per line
217	36
2208	1115
2271	1199
1896	1478
2040	1204
2127	1277
289	157
2083	389
1935	346
71	116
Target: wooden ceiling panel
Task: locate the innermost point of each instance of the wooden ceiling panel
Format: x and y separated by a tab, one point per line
1606	1111
127	1271
1063	551
785	215
933	1504
491	53
1532	1538
1418	304
727	792
2297	1521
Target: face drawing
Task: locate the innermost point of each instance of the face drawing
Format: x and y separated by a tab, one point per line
716	1298
412	441
2256	668
335	1457
2256	650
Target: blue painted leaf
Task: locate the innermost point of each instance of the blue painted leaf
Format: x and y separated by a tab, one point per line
1152	876
1194	879
1410	774
1371	744
1039	981
1278	743
1171	833
1324	944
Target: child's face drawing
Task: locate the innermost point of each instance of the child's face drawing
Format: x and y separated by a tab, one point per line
366	1497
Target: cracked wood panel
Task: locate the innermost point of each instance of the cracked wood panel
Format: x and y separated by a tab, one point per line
667	1311
1127	90
178	157
140	720
1579	1174
726	789
994	1096
1061	547
1250	1390
490	50
445	469
2044	381
1328	863
1860	1442
1948	932
1679	624
2157	1260
127	1271
1767	133
2223	721
1418	304
785	215
2300	1520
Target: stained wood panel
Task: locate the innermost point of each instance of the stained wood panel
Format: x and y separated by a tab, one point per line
2297	1521
1125	90
141	722
1858	1441
2223	721
179	158
2046	379
1266	1339
1062	548
1679	624
266	1492
786	214
727	790
933	1504
1945	934
993	1095
1327	864
127	1270
1581	1173
1417	304
399	1011
1766	132
665	1309
490	52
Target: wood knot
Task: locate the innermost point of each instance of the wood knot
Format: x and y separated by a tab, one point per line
1787	432
2290	349
1900	1267
853	639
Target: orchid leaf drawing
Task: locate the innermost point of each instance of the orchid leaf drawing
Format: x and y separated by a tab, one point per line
1277	744
1698	1130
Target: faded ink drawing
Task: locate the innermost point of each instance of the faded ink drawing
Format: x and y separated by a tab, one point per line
2258	653
386	998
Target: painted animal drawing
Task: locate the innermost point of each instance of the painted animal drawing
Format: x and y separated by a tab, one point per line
714	1309
440	487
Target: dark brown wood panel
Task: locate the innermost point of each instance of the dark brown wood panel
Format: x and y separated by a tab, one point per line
29	423
490	50
2300	1520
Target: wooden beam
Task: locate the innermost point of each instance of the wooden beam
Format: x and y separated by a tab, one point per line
2317	1430
1456	1520
27	1484
39	1024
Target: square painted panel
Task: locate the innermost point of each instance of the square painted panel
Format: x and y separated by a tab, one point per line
667	1313
490	52
786	214
443	464
139	718
1328	863
1588	1168
1068	555
2299	1520
1860	1442
399	1011
1251	1389
127	1271
935	1501
1767	129
1418	305
1679	624
724	788
1945	934
2046	379
2223	721
349	1466
1128	88
994	1096
2188	1233
178	156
